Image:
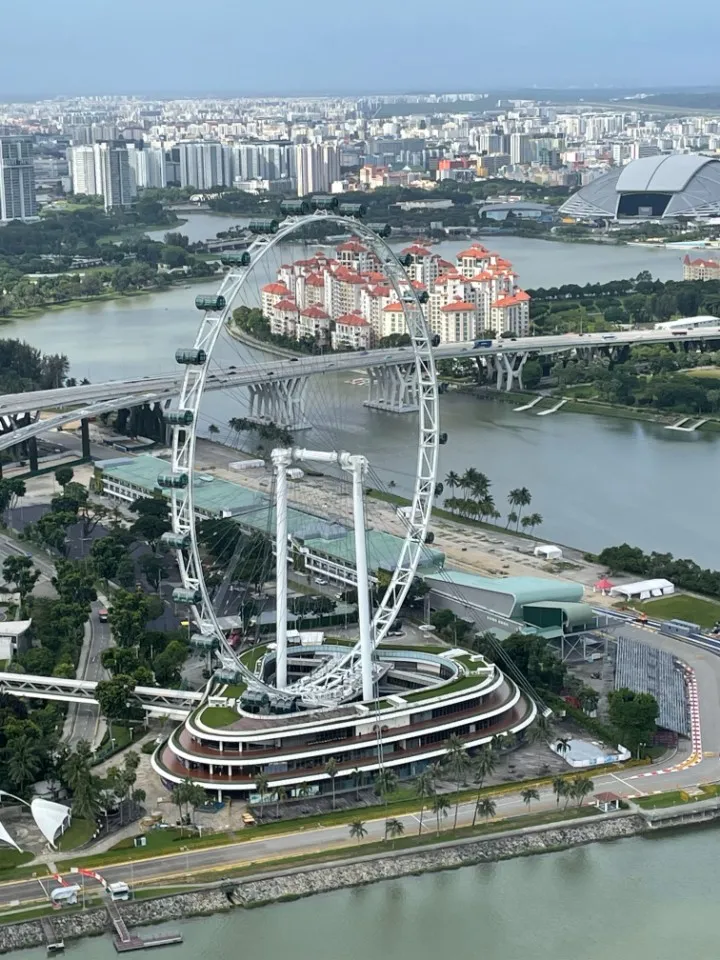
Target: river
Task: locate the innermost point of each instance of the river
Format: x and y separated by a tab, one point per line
595	481
645	899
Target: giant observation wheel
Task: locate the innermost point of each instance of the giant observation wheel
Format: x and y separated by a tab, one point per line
339	678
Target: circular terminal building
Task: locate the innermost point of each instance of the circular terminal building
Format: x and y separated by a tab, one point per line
425	695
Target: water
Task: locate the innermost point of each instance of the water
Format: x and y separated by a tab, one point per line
645	899
595	481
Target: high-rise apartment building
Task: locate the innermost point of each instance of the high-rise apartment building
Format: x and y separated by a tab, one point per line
82	170
17	179
113	175
317	166
201	165
520	149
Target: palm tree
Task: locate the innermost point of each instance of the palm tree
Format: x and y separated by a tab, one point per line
512	517
281	796
453	481
560	788
262	782
357	778
542	729
331	769
529	795
304	790
580	787
519	497
440	807
497	743
563	745
534	520
483	765
458	763
525	522
178	797
394	828
77	765
86	803
485	807
24	762
213	429
424	789
358	830
386	782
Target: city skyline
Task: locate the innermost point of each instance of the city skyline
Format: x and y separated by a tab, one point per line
71	57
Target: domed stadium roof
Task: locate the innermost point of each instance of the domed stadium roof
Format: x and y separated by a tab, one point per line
651	188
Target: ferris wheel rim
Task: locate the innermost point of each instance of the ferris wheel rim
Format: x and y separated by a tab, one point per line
185	439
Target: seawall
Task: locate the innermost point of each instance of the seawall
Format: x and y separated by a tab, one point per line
299	882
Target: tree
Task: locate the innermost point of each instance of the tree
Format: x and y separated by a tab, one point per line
458	763
179	798
152	566
483	765
64	475
579	788
424	790
213	429
24	762
195	797
512	517
281	796
634	715
394	828
563	746
86	801
358	830
153	519
386	782
262	782
125	573
128	615
519	497
560	788
486	807
18	569
76	766
106	554
453	481
331	769
440	807
529	795
115	697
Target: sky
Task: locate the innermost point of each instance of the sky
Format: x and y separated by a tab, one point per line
246	47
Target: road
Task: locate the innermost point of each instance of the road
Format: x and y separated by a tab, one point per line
93	399
83	720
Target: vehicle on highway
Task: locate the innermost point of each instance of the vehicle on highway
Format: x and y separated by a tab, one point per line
294	359
65	896
482	343
320	581
118	891
609	336
679	333
102	615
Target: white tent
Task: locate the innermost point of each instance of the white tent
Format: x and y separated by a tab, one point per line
643	589
548	551
6	838
50	817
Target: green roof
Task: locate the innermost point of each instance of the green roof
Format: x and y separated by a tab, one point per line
255	510
523	590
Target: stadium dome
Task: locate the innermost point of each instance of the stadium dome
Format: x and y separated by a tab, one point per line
651	188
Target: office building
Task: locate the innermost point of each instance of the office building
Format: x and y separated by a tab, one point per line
17	179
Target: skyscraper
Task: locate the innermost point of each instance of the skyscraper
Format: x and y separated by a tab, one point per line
201	164
17	179
113	176
520	150
318	165
82	170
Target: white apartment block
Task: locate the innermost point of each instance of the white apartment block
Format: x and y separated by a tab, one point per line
352	331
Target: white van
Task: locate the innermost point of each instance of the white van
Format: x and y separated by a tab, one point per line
65	896
118	891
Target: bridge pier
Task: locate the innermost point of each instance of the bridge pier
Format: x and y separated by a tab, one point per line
85	438
33	454
281	402
393	389
513	364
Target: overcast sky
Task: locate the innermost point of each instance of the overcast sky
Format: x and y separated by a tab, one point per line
237	47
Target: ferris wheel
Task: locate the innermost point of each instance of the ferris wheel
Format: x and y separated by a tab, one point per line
318	394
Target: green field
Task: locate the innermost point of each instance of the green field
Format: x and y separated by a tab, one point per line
218	717
78	833
682	607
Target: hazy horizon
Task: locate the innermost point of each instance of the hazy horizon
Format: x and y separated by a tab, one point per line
83	47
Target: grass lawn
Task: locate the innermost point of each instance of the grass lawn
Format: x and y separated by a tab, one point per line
11	859
78	833
234	690
682	607
218	717
251	657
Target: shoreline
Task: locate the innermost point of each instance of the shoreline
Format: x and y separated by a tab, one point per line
278	886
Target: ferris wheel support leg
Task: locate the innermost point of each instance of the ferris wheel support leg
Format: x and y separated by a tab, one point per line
363	584
281	459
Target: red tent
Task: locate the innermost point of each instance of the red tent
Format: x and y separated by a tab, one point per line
604	584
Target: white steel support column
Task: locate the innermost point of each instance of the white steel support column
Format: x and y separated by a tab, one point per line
359	466
281	459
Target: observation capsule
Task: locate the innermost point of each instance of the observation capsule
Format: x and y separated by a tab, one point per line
177	540
439	487
405	261
294	208
442	439
381	229
352	210
210	303
423	296
183	595
430	537
172	481
181	417
435	341
244	259
263	226
322	202
190	356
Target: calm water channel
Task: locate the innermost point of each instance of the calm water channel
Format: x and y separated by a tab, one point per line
595	481
639	899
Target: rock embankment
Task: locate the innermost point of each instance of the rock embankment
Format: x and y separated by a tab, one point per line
309	880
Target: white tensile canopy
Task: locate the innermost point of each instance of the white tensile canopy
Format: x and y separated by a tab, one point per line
50	817
643	589
6	838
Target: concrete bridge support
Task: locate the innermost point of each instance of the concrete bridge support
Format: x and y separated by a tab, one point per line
393	389
281	402
513	364
85	438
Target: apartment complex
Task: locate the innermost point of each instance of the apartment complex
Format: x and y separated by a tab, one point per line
700	269
104	169
17	179
346	301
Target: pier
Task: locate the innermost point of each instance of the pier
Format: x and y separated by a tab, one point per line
54	943
126	942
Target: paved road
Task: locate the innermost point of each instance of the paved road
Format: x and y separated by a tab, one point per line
82	722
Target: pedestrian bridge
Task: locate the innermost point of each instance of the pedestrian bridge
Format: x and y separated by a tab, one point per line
155	701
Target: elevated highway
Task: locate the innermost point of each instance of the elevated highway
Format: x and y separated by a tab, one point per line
504	356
